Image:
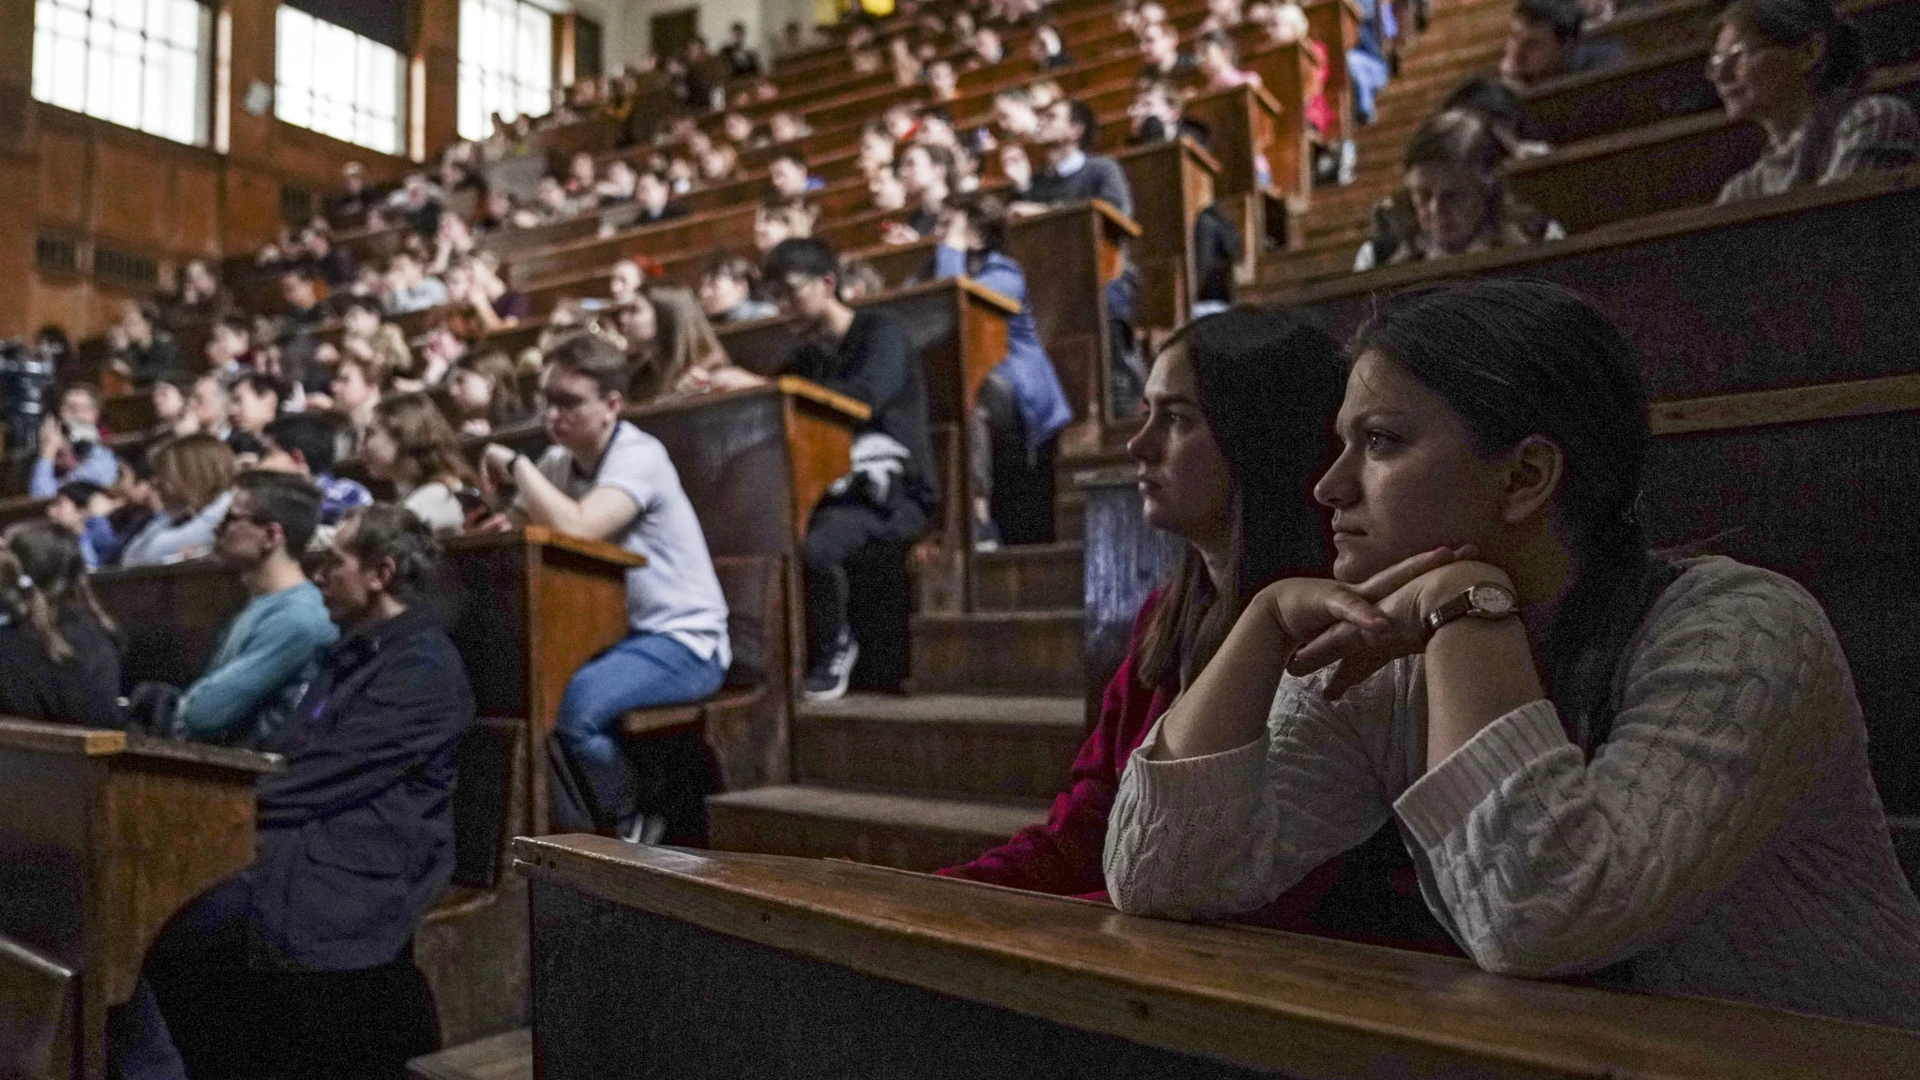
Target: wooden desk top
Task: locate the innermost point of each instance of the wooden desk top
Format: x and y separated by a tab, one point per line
1310	1006
541	536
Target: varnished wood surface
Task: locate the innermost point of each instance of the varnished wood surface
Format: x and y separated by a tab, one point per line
102	840
1307	1006
1800	404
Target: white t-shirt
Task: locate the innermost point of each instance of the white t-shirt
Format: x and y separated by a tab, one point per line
437	506
677	592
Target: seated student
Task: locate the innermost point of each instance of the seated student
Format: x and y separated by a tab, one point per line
141	349
256	674
193	476
726	292
1455	199
59	660
617	185
1368	68
1544	42
301	964
1219	62
209	408
682	354
1158	114
71	447
1047	50
784	127
927	173
485	391
254	402
169	397
876	147
357	382
1676	815
781	219
307	445
230	345
1013	115
409	288
1796	68
1020	404
787	173
486	303
1160	53
943	82
654	198
624	281
605	479
411	446
891	493
985	49
1070	174
84	509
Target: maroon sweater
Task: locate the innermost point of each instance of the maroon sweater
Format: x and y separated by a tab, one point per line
1366	894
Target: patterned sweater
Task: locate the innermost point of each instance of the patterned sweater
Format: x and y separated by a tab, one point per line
1726	841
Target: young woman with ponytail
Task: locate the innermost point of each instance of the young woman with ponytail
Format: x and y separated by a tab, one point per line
58	657
1796	68
1604	763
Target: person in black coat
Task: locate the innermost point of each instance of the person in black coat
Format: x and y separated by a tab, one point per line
59	660
303	962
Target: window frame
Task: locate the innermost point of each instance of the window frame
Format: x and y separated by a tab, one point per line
523	85
162	59
300	97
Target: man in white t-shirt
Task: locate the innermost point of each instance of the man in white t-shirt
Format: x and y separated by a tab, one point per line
605	479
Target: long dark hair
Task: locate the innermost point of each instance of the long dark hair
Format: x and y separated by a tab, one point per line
1521	358
43	580
1269	387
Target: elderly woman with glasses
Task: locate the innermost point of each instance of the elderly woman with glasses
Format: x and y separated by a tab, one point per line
1796	68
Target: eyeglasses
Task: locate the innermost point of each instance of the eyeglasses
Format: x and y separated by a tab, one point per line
1719	63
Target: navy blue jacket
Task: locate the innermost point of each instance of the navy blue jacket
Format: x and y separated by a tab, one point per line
1036	385
356	836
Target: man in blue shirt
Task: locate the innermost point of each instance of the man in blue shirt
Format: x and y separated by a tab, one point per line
259	669
306	444
71	447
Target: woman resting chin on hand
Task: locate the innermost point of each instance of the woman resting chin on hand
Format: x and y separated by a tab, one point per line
1690	810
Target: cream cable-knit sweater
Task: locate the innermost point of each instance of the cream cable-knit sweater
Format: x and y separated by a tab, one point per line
1726	841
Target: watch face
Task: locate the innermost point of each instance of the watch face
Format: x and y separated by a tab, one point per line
1491	599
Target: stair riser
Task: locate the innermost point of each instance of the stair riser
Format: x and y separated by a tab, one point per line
1029	581
905	848
994	761
992	656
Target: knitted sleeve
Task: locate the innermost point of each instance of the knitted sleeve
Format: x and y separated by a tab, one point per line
1225	833
1736	699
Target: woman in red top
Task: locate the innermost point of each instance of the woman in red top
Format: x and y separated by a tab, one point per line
1239	424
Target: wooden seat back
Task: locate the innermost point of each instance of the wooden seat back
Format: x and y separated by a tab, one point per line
36	1013
487	764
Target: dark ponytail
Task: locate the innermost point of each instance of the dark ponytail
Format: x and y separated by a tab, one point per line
43	581
1515	359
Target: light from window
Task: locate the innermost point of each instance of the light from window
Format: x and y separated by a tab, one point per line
141	63
333	81
506	63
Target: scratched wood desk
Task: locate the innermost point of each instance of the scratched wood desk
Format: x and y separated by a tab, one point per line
103	837
736	965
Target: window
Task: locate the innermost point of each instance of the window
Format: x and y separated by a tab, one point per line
506	63
333	81
142	63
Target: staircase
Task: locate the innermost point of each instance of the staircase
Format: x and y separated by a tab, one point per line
976	752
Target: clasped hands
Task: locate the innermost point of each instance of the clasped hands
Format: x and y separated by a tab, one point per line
1359	629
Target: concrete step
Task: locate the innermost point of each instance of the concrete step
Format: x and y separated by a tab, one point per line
1029	577
1016	652
908	832
949	745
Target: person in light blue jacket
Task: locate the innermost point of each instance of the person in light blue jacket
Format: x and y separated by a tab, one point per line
261	666
1021	402
191	474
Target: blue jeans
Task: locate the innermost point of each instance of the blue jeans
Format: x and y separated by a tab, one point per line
642	671
1368	74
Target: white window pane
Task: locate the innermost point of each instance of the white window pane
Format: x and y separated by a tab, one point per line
128	14
186	21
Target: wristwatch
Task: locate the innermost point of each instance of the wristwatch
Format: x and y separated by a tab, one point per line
1486	600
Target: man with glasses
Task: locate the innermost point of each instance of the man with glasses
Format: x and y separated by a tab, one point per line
258	670
605	479
302	964
890	495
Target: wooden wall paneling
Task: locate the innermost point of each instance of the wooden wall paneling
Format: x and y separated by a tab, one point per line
196	211
130	192
63	177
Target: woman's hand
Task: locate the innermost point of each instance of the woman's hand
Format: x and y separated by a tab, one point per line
1359	653
1306	609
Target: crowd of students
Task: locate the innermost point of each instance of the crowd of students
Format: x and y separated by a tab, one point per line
1796	68
1585	776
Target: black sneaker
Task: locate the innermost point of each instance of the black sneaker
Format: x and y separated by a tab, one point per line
828	679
